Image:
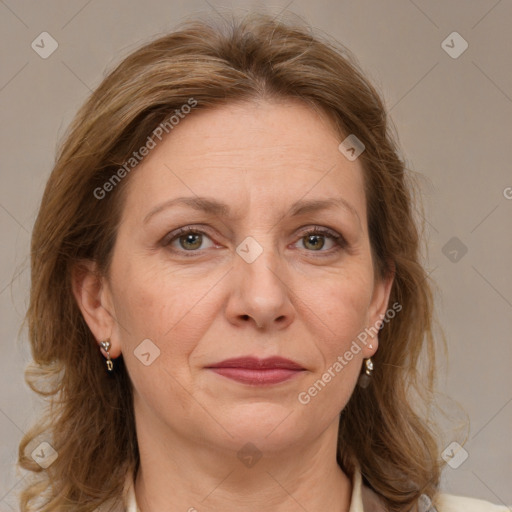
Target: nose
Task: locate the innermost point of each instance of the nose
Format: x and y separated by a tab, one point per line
260	295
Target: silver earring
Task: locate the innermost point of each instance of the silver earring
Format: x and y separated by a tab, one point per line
366	375
106	347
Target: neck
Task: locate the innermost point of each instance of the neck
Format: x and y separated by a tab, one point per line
178	475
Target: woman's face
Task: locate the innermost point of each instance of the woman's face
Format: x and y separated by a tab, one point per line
247	281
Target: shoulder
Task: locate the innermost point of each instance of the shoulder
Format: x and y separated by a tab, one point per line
371	502
451	503
364	499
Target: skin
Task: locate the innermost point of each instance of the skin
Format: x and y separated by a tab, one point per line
298	300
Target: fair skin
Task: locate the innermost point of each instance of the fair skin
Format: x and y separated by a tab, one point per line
298	299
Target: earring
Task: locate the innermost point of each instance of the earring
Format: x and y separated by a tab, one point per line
106	347
366	375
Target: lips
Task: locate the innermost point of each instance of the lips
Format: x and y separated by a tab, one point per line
253	363
254	371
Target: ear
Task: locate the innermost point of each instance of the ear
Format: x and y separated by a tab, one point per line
92	294
378	308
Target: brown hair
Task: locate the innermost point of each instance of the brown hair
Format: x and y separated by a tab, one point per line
90	419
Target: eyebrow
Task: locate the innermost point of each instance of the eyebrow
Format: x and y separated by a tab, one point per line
220	209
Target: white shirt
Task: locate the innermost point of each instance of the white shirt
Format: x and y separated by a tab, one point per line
363	499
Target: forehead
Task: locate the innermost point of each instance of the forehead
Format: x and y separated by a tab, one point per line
275	130
264	152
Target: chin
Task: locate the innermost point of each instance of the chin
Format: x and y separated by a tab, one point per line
269	426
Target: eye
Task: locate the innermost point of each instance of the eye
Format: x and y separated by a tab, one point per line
190	240
186	239
314	240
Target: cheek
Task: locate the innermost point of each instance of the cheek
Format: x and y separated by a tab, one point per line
172	311
343	314
342	306
174	316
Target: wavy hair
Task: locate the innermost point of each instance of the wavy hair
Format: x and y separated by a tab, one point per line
89	418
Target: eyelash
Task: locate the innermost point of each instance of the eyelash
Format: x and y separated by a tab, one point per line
339	240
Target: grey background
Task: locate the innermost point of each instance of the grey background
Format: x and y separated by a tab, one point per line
454	118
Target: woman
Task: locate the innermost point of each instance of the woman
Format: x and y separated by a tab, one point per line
227	306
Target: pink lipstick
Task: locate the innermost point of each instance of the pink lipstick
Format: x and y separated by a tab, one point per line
258	372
